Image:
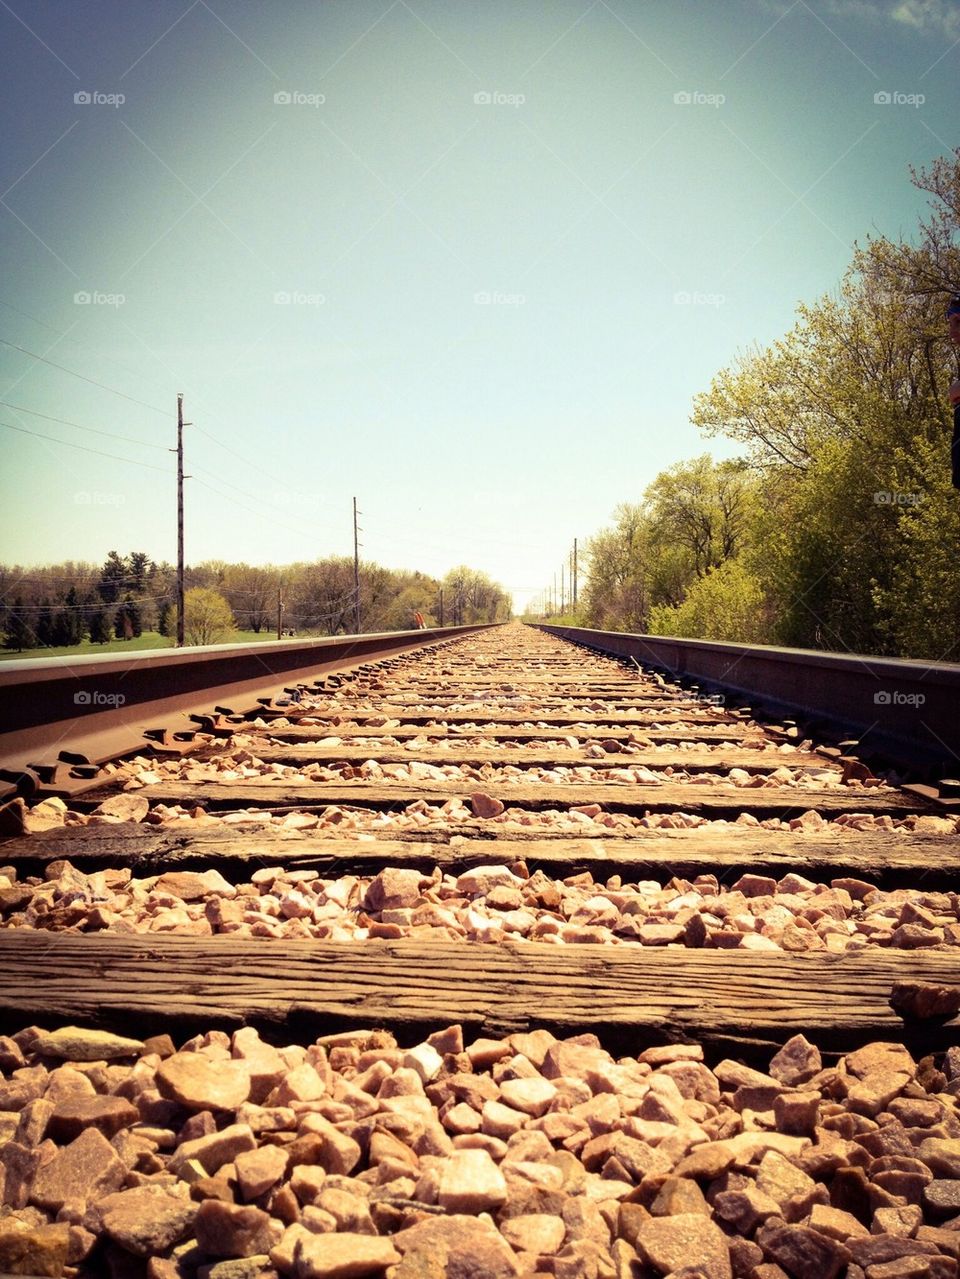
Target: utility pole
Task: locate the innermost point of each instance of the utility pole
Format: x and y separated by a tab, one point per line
356	567
180	425
441	605
563	590
574	572
279	610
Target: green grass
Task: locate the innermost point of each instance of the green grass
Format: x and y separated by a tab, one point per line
149	639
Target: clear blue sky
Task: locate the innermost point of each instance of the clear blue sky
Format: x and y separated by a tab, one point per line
484	335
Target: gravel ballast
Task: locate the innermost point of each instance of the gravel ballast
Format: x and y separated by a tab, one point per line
506	1157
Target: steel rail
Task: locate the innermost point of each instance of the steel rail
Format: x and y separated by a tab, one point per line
903	709
56	711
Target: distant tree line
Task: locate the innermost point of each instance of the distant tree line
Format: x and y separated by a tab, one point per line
838	528
63	605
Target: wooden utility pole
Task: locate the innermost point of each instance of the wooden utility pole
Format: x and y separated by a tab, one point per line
356	568
280	611
563	589
574	572
180	630
441	605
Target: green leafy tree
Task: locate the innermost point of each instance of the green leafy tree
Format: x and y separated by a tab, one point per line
206	617
127	622
43	624
139	565
113	578
17	632
618	564
66	625
470	597
99	627
846	422
727	603
700	509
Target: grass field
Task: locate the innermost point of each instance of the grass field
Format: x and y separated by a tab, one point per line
149	639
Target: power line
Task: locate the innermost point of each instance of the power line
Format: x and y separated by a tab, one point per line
128	439
65	337
93	606
73	373
256	466
300	532
254	497
51	439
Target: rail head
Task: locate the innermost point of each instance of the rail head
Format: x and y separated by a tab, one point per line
905	708
99	707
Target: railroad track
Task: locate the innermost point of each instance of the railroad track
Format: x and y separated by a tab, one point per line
508	834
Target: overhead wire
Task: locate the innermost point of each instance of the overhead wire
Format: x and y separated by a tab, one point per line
128	439
65	337
255	465
115	457
300	532
83	378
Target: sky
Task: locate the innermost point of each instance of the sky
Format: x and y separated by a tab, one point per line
468	262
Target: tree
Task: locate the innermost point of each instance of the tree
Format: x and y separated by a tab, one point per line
617	562
206	617
140	565
701	509
43	624
471	597
252	595
113	578
99	627
846	423
17	632
68	621
321	596
127	622
727	603
73	610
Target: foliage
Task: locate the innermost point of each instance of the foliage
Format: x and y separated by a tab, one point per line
470	597
127	622
17	633
839	527
727	603
252	594
99	627
206	617
694	517
126	595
